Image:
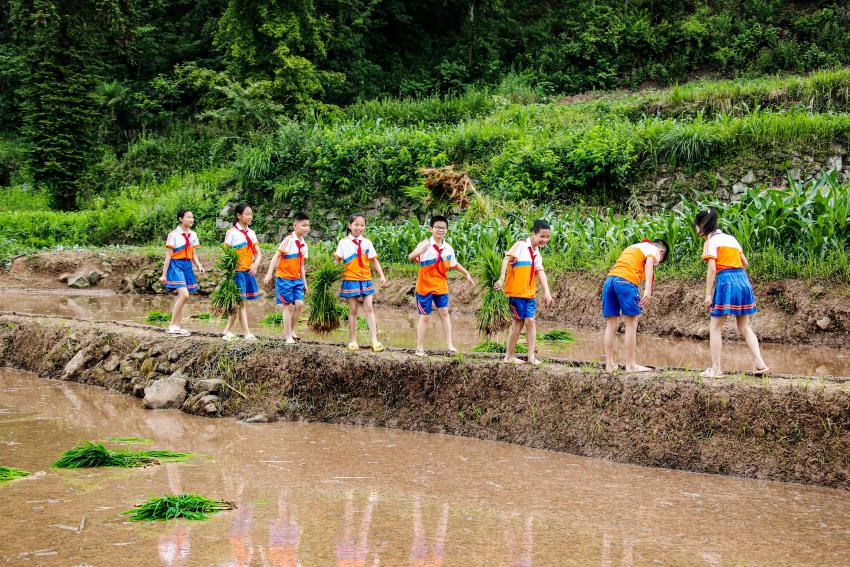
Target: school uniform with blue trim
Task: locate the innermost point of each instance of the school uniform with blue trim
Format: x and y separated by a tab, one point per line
289	283
245	242
733	292
356	255
621	291
432	285
525	261
180	273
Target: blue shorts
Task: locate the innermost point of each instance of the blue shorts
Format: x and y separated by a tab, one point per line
522	307
733	294
288	291
424	303
620	297
247	284
354	288
180	275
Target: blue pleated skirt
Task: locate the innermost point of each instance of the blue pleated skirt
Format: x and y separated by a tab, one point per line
733	294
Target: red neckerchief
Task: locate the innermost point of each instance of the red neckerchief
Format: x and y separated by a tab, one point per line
646	241
247	239
533	257
299	245
188	245
357	242
439	262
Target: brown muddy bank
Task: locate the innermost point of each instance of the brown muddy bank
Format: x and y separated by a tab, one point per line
790	311
779	428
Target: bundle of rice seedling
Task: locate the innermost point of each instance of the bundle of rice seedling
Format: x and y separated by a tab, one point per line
158	317
494	313
324	308
443	188
203	316
170	506
495	346
9	473
557	336
88	454
225	299
273	318
131	440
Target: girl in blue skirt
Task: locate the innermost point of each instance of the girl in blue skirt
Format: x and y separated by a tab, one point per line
242	239
727	290
177	270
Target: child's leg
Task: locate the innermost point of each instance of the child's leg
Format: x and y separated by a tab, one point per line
179	305
287	310
231	321
749	335
531	338
370	318
716	342
296	315
446	322
421	328
611	324
513	337
352	319
243	317
631	344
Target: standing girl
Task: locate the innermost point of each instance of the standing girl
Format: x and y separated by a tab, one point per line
727	290
356	252
244	241
177	268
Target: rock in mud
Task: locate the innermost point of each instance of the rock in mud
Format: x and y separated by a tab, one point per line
76	365
111	364
824	323
94	277
259	418
166	393
79	280
209	385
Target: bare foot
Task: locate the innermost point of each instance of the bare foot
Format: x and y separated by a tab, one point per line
421	353
712	373
534	362
761	371
637	368
452	349
513	360
290	341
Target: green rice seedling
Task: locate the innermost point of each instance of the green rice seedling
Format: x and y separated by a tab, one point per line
131	440
557	336
495	346
494	313
225	299
362	324
9	473
343	310
273	318
89	454
324	307
203	316
171	506
158	317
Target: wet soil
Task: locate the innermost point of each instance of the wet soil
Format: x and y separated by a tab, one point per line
769	428
323	494
790	311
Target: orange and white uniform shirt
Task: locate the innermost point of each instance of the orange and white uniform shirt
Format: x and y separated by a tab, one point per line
434	265
631	264
524	263
356	254
724	249
293	251
182	244
245	243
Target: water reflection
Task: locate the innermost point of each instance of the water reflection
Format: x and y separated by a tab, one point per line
518	555
422	554
352	549
284	534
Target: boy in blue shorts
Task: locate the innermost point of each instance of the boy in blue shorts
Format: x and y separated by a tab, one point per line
291	280
621	296
526	266
435	257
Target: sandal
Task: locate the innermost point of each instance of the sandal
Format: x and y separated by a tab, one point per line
421	353
249	337
377	347
180	332
761	371
228	337
353	347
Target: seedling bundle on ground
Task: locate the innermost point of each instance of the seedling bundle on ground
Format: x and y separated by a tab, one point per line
89	454
171	506
9	473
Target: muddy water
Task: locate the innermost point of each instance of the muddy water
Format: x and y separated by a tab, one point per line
333	495
398	328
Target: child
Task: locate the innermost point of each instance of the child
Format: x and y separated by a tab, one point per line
621	296
727	290
177	268
435	257
291	280
245	242
356	252
526	265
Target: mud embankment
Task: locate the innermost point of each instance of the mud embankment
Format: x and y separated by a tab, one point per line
790	311
773	428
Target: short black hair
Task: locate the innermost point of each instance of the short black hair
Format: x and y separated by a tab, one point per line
182	213
240	208
706	221
539	225
439	218
663	244
300	217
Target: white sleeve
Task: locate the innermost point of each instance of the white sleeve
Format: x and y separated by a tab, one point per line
709	250
339	252
372	253
538	262
169	240
229	237
305	251
194	240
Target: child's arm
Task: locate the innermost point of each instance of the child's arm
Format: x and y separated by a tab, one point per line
709	283
463	271
380	271
544	281
504	270
256	265
165	263
272	265
418	251
648	273
304	275
744	261
197	261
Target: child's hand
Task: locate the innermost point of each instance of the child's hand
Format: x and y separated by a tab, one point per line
470	280
645	300
708	301
253	269
267	279
498	285
201	269
383	281
162	278
547	299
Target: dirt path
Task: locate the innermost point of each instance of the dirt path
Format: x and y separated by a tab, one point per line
790	311
773	428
